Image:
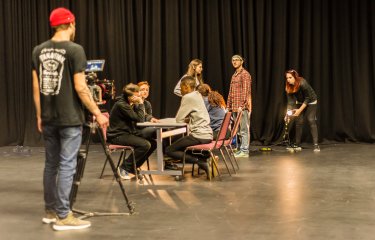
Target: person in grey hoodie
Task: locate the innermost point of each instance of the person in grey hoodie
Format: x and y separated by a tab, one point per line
193	111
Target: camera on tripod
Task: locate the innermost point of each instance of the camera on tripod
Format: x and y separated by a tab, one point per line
101	90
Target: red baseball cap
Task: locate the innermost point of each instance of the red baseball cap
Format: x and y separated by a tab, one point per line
61	16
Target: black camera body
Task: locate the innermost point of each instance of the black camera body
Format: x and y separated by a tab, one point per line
101	90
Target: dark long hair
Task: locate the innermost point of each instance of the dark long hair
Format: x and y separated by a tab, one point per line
289	88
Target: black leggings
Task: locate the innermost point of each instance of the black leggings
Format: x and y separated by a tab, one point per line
176	150
310	113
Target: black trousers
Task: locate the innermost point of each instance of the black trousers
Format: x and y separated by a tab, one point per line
310	114
143	148
148	132
176	150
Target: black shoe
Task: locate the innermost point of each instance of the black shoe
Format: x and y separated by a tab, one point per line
171	160
170	166
206	166
294	147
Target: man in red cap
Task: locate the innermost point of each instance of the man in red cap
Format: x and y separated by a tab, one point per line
59	89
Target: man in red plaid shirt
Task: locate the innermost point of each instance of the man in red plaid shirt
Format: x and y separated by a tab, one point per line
240	98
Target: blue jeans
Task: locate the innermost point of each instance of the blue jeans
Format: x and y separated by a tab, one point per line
244	130
62	145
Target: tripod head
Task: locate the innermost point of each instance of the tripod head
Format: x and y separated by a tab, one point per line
289	114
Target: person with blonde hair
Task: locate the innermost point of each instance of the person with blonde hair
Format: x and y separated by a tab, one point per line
195	69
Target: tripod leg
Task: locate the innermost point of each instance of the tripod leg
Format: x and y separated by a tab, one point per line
81	162
80	168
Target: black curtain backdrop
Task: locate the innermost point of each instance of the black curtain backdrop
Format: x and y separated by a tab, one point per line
330	43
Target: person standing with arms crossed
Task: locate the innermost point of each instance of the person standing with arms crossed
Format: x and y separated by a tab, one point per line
59	89
239	98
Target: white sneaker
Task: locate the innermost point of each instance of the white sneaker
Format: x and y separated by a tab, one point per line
294	148
241	154
123	174
316	148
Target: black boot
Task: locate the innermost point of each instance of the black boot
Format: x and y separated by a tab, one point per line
206	166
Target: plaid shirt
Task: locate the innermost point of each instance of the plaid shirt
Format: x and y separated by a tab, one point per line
240	91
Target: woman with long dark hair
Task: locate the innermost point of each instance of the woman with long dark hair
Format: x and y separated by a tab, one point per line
302	101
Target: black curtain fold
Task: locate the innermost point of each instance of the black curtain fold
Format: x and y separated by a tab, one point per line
330	43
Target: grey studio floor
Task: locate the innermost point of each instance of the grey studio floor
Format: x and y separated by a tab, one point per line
275	195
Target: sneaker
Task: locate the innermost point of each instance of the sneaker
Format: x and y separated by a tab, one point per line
316	148
170	166
123	174
241	154
294	147
70	223
49	217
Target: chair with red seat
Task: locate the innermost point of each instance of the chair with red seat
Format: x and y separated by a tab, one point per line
112	148
210	147
228	143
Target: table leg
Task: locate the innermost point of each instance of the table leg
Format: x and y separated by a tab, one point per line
159	149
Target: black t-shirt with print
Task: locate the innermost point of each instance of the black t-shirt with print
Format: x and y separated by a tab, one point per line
55	64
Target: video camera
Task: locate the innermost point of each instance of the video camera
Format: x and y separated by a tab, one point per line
101	90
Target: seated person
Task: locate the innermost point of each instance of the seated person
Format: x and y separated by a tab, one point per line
216	111
144	90
215	107
204	89
147	132
127	111
193	111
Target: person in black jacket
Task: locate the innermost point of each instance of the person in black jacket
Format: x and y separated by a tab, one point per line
147	132
144	90
302	101
127	111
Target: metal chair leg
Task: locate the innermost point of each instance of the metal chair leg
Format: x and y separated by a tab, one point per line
230	159
225	161
214	164
233	157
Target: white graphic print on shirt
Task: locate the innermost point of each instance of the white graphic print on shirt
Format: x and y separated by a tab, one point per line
50	70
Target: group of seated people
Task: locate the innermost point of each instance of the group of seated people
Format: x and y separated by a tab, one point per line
202	109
